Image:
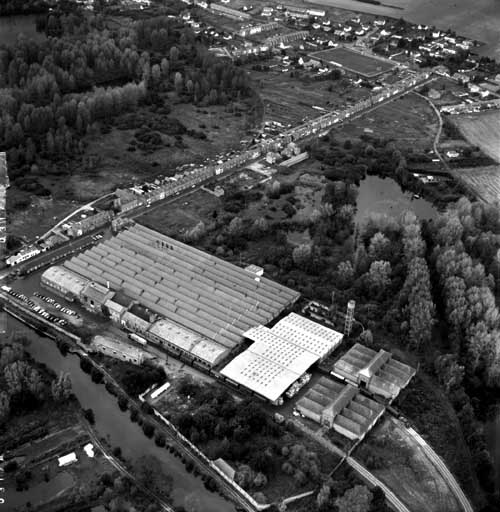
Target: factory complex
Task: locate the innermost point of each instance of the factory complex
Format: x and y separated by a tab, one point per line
341	407
205	310
188	301
280	356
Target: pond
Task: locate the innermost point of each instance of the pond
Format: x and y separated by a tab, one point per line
12	26
385	196
115	425
40	493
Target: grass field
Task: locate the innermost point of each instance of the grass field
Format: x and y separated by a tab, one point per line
290	100
356	62
484	181
483	130
408	120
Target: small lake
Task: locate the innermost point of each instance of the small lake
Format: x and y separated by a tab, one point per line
12	26
385	196
40	493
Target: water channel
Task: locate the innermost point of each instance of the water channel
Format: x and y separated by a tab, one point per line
115	425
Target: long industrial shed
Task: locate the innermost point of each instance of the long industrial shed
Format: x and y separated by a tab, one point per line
185	285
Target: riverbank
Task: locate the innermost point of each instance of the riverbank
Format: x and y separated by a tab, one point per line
129	436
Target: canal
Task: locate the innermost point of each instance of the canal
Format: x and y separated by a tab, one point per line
115	425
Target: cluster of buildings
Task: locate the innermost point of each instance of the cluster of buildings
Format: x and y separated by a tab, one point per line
192	304
4	184
343	404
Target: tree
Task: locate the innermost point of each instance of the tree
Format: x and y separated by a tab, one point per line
345	274
4	407
235	227
323	496
88	414
449	372
302	254
61	388
357	499
178	82
380	247
152	475
379	275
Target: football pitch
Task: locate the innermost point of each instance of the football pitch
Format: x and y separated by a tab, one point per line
355	62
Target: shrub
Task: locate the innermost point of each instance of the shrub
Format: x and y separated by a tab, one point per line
148	430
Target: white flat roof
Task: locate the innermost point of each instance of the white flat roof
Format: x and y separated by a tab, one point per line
308	334
281	355
67	459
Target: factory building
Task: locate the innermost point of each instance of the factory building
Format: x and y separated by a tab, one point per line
63	282
117	349
377	372
280	357
341	407
188	301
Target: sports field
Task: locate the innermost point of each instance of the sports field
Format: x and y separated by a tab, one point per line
483	130
353	61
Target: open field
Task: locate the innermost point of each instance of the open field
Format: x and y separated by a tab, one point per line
483	130
484	181
353	61
398	461
290	100
408	120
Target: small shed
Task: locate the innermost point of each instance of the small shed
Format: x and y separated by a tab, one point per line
66	460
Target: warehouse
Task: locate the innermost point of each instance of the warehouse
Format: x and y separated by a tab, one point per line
341	407
375	371
168	279
64	282
280	356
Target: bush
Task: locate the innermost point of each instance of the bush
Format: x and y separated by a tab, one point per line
117	451
134	414
88	414
85	365
96	375
148	430
160	439
122	403
11	466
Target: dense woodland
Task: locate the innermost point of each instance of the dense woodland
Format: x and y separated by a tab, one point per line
53	93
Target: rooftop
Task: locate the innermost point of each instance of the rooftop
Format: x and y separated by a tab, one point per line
191	288
189	341
279	356
67	280
382	374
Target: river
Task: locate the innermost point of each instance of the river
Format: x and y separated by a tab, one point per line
12	26
115	425
476	19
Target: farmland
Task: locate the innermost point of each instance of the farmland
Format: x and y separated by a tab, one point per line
482	130
484	181
356	62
